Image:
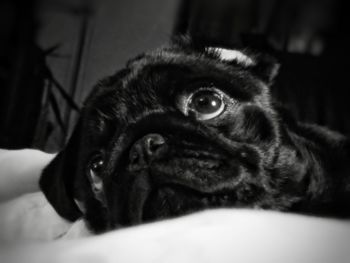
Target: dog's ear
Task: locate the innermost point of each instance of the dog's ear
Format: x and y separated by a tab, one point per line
262	65
266	67
58	178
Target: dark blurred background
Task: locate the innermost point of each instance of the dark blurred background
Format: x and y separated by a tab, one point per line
52	52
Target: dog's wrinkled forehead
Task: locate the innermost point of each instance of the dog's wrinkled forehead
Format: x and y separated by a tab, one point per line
152	80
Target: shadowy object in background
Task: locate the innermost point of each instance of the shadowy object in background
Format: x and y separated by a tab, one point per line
29	88
21	83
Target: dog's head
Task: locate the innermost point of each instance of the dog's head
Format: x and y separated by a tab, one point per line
178	130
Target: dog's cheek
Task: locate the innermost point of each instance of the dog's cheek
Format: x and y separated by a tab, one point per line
251	124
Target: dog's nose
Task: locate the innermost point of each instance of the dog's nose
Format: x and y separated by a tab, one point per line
146	148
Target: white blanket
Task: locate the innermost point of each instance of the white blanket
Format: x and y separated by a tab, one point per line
216	236
28	226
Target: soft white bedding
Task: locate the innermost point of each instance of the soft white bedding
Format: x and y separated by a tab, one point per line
29	226
20	171
216	236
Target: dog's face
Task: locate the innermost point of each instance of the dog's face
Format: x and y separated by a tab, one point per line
178	130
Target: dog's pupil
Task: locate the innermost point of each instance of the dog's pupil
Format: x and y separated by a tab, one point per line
96	165
206	102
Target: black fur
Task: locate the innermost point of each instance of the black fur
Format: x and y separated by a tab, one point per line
253	155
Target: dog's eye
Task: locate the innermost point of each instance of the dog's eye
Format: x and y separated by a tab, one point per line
96	164
205	104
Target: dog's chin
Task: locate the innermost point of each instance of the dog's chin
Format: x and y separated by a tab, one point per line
173	200
180	186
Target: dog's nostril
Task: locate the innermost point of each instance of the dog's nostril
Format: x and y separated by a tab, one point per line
145	148
153	142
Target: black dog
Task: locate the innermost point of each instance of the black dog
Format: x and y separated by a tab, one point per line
186	128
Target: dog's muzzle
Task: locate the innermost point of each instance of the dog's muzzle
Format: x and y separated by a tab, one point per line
175	169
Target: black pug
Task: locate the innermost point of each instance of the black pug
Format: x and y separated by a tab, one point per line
186	128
